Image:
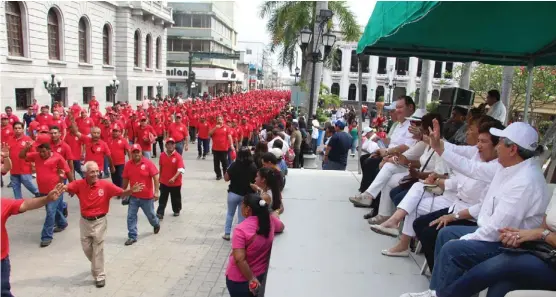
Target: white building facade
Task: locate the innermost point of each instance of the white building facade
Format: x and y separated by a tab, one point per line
84	43
386	77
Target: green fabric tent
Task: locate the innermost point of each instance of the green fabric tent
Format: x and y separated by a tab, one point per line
501	33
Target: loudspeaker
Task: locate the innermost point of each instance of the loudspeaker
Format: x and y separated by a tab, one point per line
457	96
445	110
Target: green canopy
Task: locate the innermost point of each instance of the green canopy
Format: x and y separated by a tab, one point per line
500	33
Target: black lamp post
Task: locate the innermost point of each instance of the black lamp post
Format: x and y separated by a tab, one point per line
52	86
114	84
326	39
159	89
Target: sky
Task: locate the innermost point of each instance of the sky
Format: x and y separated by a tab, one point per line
251	27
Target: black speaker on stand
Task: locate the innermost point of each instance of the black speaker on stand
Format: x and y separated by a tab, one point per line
451	97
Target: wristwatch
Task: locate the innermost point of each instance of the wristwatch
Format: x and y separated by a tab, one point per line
545	234
456	215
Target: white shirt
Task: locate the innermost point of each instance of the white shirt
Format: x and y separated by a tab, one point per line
315	133
369	146
517	196
498	111
262	135
435	164
416	151
551	214
285	146
401	135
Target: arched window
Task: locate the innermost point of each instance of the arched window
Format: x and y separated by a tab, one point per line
158	49
353	66
337	66
335	89
106	44
379	93
136	48
435	95
352	92
53	35
365	63
364	92
382	61
417	94
148	52
14	28
83	44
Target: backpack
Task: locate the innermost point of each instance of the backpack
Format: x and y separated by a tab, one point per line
289	157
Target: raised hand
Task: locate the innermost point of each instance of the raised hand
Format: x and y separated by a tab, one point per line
138	187
434	137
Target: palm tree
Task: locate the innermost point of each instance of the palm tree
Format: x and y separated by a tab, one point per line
288	18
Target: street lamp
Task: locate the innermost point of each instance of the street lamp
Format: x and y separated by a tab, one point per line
193	86
52	85
321	38
114	84
391	82
159	89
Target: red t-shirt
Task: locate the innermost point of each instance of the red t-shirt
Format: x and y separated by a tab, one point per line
142	172
84	125
131	127
12	119
118	148
19	166
63	149
49	171
10	207
159	128
94	200
168	167
44	119
246	130
220	141
60	124
7	133
95	151
178	131
74	143
203	130
142	135
93	104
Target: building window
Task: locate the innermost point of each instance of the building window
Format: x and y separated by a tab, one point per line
352	92
109	94
138	93
23	98
150	92
353	66
437	69
337	62
419	67
364	63
53	35
435	95
382	65
106	44
158	49
364	92
136	48
248	52
192	20
62	96
402	66
148	52
379	93
335	89
417	93
87	94
184	45
448	71
83	40
14	28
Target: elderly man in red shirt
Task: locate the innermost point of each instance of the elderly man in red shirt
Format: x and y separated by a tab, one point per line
12	207
221	142
51	170
141	170
94	202
171	169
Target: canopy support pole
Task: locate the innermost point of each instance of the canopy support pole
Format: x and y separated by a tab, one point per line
360	111
528	92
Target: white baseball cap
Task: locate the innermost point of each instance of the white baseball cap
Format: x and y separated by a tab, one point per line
277	152
417	115
367	130
519	133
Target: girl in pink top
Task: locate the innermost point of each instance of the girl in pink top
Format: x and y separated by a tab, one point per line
251	245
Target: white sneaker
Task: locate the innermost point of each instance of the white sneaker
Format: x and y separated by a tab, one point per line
427	293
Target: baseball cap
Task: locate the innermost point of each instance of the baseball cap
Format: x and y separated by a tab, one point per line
277	152
4	116
390	107
43	128
143	118
170	139
519	133
417	115
136	147
178	115
340	124
367	130
116	127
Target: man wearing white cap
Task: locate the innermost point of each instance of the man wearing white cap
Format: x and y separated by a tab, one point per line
517	198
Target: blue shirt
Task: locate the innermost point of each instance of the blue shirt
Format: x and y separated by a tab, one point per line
28	118
339	144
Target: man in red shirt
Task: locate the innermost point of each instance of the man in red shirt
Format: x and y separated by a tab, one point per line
44	118
84	123
130	128
193	123
145	135
171	169
221	142
94	201
93	104
159	129
179	132
57	121
246	130
119	148
11	117
7	129
203	145
51	170
141	170
12	207
21	169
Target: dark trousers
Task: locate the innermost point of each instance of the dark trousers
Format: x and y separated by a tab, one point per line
203	146
297	158
175	193
241	289
369	167
5	276
220	157
427	235
192	134
159	140
77	168
117	176
397	194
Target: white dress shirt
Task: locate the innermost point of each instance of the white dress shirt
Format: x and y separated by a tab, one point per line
416	151
285	145
517	196
369	146
401	135
498	111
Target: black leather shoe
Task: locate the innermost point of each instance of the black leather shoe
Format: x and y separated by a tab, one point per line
100	283
45	243
58	229
218	178
156	229
176	214
159	216
130	241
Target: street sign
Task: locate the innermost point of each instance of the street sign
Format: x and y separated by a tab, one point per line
298	97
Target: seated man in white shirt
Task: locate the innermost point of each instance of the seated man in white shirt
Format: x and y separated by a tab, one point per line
369	146
516	198
497	109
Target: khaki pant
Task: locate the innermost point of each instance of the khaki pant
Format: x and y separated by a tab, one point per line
92	242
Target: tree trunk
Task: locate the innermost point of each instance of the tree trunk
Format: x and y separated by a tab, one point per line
318	46
465	79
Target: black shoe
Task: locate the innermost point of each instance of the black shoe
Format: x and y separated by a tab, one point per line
153	156
159	216
130	241
58	229
100	283
65	212
218	178
198	157
45	243
371	214
10	185
176	214
157	229
204	157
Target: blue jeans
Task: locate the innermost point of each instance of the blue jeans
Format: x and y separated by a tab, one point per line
234	202
77	168
179	147
26	180
147	154
458	256
397	194
502	274
353	145
241	289
147	205
203	147
106	168
332	165
314	145
54	217
5	276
